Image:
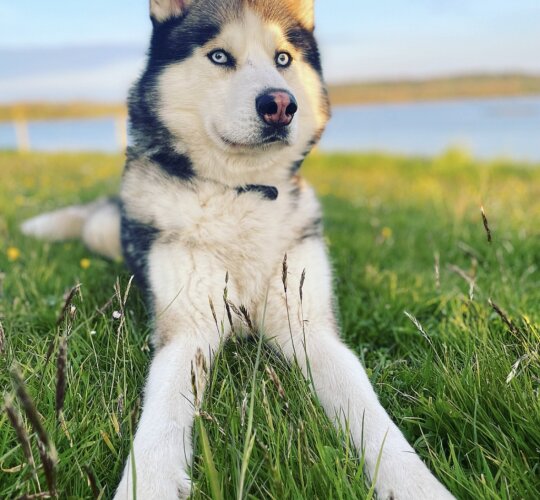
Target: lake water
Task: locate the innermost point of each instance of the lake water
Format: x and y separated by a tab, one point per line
488	128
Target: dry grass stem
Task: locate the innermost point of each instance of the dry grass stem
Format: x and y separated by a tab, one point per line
277	383
471	280
30	409
67	303
61	376
285	270
214	315
419	327
92	482
22	436
243	409
103	309
504	317
437	271
134	417
120	406
47	451
48	461
209	418
486	225
2	339
226	302
247	318
35	496
199	378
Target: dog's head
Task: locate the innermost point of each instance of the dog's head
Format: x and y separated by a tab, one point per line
237	82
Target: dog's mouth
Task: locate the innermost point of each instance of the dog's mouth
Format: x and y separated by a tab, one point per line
266	141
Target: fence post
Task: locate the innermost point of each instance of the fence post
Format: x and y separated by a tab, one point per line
22	134
121	131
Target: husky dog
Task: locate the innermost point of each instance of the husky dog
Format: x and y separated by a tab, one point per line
230	103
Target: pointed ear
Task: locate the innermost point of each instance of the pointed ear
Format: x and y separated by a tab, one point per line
161	10
305	10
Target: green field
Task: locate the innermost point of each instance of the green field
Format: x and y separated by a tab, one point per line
405	235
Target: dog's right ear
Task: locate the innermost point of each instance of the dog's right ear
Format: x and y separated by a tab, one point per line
161	10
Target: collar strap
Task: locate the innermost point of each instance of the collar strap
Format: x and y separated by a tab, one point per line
269	192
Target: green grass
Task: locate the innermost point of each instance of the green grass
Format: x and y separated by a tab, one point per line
387	221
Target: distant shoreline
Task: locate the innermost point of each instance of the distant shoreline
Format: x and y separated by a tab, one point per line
362	93
437	89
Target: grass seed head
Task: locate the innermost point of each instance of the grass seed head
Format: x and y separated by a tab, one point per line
247	318
504	317
48	461
199	378
35	496
92	482
301	288
213	309
61	377
30	410
18	426
276	381
228	310
67	303
120	406
486	225
2	340
134	417
284	272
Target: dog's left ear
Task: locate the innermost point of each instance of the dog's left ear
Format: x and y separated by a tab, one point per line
161	10
305	11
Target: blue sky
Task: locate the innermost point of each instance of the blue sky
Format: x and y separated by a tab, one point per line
61	49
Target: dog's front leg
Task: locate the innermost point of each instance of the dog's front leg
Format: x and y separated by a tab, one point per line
309	335
186	336
161	454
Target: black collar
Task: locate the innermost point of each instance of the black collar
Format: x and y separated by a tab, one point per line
269	192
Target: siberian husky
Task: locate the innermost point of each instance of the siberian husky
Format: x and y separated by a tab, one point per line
230	103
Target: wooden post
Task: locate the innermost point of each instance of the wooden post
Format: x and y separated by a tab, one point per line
121	131
22	134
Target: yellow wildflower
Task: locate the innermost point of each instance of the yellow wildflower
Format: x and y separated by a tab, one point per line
13	254
85	263
386	233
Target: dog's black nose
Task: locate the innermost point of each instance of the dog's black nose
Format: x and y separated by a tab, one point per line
277	108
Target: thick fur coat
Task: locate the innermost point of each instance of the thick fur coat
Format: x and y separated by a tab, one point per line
211	189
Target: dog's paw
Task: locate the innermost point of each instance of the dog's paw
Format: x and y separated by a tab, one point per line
165	486
416	483
415	491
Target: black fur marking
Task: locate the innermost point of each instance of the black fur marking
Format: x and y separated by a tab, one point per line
137	241
312	143
313	230
296	166
304	41
172	41
173	163
175	40
116	201
269	192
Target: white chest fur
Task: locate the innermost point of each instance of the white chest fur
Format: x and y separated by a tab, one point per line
245	234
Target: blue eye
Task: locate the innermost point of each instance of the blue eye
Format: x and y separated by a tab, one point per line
220	57
283	59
